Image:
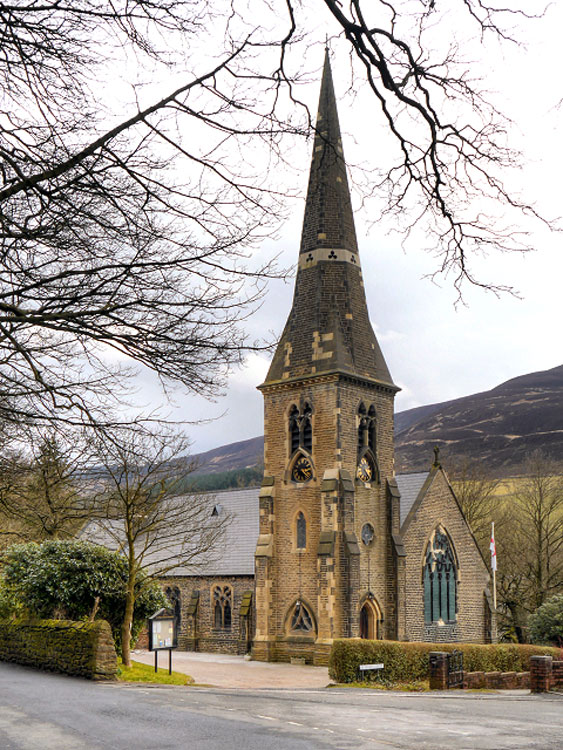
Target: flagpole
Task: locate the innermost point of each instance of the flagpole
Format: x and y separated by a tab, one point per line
494	567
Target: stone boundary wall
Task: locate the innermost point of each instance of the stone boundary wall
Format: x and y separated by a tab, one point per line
83	649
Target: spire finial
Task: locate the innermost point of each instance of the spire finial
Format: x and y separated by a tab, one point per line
436	464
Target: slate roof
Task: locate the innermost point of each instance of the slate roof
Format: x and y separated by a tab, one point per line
409	486
236	552
234	555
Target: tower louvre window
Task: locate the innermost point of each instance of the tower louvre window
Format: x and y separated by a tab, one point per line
294	428
371	428
307	428
367	444
301	428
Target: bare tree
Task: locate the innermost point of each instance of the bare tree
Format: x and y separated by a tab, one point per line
530	541
125	237
477	492
143	517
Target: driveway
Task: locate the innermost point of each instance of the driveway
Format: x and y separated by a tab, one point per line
226	671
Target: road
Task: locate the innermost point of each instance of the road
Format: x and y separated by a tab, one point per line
41	711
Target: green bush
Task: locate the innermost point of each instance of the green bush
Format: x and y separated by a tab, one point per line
408	662
63	579
546	624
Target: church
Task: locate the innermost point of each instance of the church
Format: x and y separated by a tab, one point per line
334	544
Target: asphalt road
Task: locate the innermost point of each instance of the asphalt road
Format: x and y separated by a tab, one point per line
41	711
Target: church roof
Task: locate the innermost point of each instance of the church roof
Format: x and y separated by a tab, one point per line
328	329
409	486
233	555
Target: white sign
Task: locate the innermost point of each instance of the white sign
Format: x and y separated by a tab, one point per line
363	667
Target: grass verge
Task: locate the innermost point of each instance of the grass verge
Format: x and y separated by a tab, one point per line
138	672
417	686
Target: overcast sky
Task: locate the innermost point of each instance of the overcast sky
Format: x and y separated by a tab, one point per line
436	350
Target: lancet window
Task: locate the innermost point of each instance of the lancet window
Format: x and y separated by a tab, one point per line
301	531
222	607
440	580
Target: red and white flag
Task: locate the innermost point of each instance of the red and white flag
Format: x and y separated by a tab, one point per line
493	550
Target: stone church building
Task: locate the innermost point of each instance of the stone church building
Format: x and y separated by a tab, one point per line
334	544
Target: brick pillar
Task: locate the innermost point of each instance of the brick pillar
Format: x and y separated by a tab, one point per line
438	670
557	673
540	673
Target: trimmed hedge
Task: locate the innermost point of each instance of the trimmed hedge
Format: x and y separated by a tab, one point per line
84	649
408	661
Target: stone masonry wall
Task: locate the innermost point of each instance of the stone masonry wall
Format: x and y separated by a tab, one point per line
370	501
84	649
439	508
197	632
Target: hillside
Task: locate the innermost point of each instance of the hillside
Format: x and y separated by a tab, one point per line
501	426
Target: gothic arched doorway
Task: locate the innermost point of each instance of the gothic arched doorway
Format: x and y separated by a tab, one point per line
370	620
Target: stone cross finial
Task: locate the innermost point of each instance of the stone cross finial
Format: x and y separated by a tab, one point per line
436	463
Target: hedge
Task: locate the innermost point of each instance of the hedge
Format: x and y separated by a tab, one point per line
408	661
84	649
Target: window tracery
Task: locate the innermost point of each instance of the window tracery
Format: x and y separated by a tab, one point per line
222	607
440	580
301	618
301	428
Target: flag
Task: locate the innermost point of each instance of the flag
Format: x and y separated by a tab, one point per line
493	550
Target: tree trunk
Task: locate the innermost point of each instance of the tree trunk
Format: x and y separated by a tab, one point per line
127	623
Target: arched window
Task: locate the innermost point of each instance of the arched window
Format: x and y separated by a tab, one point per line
301	619
440	580
301	531
222	607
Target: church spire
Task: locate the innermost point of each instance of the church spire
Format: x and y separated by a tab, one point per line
328	221
328	329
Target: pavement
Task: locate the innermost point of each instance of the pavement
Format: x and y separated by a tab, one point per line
228	671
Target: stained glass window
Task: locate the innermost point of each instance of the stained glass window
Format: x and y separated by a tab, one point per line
440	580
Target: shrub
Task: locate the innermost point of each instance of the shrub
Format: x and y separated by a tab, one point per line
63	579
407	662
546	624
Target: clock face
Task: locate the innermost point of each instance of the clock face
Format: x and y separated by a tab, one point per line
302	470
364	471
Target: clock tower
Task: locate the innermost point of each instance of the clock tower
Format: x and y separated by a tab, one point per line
326	565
